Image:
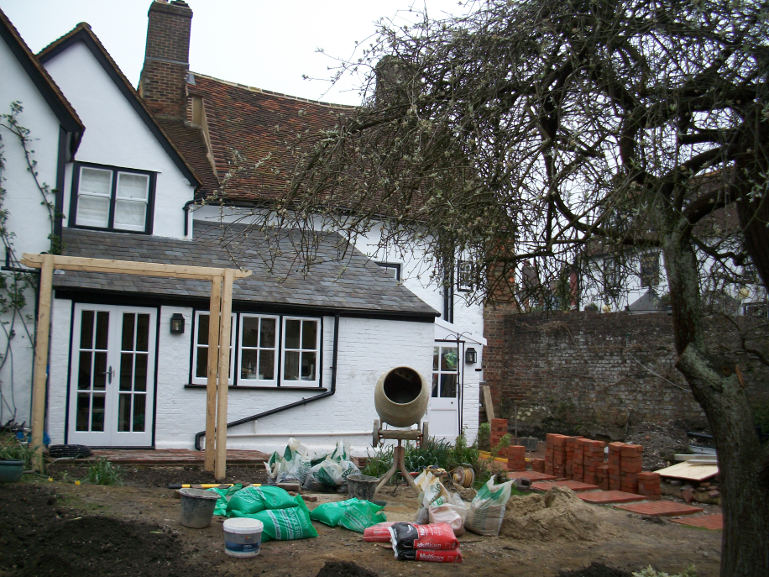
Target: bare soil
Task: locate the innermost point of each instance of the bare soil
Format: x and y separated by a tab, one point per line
58	528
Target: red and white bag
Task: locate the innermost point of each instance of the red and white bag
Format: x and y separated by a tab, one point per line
429	555
379	533
438	537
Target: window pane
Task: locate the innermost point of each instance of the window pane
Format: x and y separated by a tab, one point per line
436	354
266	365
140	372
435	386
308	366
126	371
291	369
84	371
130	214
143	333
309	334
201	366
124	414
93	211
102	326
448	385
100	371
267	338
140	404
449	359
83	411
97	416
203	329
250	332
86	330
128	331
292	334
96	181
132	185
248	364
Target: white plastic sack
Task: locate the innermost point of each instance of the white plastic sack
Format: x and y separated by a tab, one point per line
453	512
487	511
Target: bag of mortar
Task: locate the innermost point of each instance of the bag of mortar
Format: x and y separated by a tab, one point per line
224	497
331	472
451	511
254	499
431	489
295	462
284	524
353	514
487	510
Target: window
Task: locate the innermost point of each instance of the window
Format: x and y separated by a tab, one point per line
394	269
258	345
265	350
650	269
112	198
445	371
611	277
200	348
464	276
301	351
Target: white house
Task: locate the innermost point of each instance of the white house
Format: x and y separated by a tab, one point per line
306	350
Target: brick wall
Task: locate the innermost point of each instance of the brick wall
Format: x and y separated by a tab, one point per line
590	373
166	58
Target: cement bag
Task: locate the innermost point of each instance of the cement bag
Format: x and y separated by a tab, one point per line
487	510
254	499
451	511
329	474
434	537
284	524
353	514
224	497
295	462
431	489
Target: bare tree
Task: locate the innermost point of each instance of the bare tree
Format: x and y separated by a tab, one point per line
536	130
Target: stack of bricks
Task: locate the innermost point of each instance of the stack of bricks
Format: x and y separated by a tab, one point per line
630	466
538	465
498	430
649	485
577	468
571	443
592	458
555	457
615	460
602	477
516	458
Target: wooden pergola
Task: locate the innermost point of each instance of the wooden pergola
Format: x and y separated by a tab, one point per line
218	357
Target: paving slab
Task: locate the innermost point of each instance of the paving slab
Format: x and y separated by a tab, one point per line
711	522
576	486
660	508
531	475
608	497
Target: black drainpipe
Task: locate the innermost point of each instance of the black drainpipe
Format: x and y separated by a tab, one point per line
299	403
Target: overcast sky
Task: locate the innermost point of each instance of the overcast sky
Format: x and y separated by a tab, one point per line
261	43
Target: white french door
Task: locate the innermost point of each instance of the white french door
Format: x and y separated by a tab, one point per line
445	396
112	380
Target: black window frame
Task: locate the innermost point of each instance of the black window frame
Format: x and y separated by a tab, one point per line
464	284
75	193
391	266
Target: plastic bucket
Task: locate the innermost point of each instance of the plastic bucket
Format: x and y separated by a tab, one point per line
197	507
362	487
11	471
242	536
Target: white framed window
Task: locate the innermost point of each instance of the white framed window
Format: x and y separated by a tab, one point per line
200	348
445	371
112	198
301	351
258	349
464	276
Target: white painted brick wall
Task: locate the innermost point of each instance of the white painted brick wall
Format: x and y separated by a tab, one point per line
61	318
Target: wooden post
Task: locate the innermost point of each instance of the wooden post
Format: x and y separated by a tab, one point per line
213	365
488	404
42	333
224	375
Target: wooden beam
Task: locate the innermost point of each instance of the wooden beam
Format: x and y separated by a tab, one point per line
130	267
487	402
224	375
213	365
42	332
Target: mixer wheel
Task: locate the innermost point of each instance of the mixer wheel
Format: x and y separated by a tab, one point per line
376	432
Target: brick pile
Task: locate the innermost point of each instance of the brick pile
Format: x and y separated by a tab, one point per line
538	465
555	456
649	485
592	458
516	458
602	477
498	430
615	459
630	465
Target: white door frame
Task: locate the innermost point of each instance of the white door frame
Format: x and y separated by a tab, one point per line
444	411
112	390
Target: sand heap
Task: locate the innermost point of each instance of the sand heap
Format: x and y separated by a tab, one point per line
557	514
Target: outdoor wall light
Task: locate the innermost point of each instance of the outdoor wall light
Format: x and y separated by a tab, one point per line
471	357
177	324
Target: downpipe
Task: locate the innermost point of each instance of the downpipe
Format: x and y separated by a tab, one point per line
299	403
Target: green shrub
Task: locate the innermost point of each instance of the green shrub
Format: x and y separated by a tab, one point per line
484	436
103	473
11	449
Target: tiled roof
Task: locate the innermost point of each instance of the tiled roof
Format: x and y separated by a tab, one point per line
352	284
189	140
251	127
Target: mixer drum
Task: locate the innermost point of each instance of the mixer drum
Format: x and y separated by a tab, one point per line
400	397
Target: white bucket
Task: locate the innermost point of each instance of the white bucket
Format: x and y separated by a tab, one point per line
242	536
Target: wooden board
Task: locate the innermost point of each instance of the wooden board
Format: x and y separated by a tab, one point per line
487	402
689	472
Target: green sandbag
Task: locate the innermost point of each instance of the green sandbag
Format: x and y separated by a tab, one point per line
254	499
284	524
221	502
352	514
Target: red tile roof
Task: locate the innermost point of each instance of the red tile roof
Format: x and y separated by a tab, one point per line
251	132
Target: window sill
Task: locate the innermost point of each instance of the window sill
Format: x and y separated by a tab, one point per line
259	388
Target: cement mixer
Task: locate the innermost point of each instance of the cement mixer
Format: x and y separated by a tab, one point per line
400	397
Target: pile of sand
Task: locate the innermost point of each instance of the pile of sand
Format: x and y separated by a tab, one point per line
557	514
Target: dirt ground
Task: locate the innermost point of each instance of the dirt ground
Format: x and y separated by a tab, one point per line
59	528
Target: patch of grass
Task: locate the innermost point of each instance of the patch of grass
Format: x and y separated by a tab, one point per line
103	473
11	449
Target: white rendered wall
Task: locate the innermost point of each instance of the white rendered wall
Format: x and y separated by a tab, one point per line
27	219
61	319
116	136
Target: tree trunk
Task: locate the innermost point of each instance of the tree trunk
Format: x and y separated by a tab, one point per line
742	461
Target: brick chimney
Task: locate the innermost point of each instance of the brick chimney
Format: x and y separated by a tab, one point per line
163	81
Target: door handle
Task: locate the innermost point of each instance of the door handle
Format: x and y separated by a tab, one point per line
110	373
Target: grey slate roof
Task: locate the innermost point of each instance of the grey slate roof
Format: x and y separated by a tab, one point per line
350	284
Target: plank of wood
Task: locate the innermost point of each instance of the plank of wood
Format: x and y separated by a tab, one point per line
690	472
99	265
225	320
213	364
487	402
42	331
